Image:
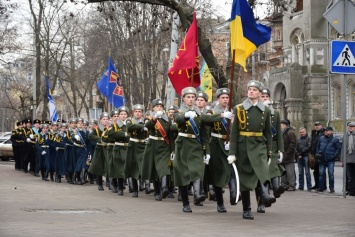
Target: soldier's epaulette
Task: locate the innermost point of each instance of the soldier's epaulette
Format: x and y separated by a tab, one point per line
238	105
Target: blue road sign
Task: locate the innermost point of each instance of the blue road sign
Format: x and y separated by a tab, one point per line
343	60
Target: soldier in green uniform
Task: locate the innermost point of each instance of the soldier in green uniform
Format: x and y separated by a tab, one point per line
276	170
190	160
134	158
250	146
98	165
116	162
158	150
219	171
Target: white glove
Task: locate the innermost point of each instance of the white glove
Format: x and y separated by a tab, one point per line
206	159
226	146
158	114
145	128
44	152
31	136
268	161
28	140
228	115
57	148
190	114
172	156
266	103
231	159
126	134
77	137
281	157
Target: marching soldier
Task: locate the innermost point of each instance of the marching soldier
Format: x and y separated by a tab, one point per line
42	149
190	159
115	167
69	150
60	141
99	160
17	139
158	150
218	170
30	152
134	159
80	152
250	146
51	151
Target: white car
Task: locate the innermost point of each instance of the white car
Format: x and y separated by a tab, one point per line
6	149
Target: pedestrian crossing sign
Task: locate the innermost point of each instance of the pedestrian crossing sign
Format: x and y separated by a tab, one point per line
342	55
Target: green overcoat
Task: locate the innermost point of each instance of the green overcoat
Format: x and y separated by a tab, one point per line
135	150
276	170
99	160
218	171
189	152
156	160
250	150
116	161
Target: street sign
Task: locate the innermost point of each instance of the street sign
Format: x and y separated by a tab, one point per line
335	15
342	57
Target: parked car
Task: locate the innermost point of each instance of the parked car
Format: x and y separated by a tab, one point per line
6	150
5	134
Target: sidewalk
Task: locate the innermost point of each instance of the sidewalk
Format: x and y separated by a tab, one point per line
32	207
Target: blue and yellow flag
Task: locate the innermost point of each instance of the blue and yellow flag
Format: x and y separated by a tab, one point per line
206	81
52	111
246	34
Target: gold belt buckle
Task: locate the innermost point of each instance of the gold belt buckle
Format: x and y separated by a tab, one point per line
189	135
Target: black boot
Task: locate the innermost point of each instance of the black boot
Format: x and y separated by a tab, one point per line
130	188
233	190
99	183
164	187
82	177
108	183
147	187
219	197
247	214
70	178
91	178
266	197
198	197
59	178
171	190
43	175
114	185
46	176
135	187
120	187
185	199
157	193
259	200
141	185
276	187
77	178
51	174
211	193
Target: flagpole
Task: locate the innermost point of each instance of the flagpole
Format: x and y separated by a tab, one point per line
230	95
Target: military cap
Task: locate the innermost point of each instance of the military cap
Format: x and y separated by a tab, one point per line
80	120
202	95
266	91
114	112
36	121
49	122
18	123
188	90
123	109
94	121
45	125
61	121
86	122
72	120
173	107
64	125
285	121
104	114
221	91
208	109
156	102
256	84
27	121
317	123
351	124
55	123
328	128
138	107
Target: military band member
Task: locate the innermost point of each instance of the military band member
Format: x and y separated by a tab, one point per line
51	152
69	150
115	167
42	149
219	171
250	146
17	139
30	134
190	160
99	161
81	151
60	144
94	124
158	150
134	158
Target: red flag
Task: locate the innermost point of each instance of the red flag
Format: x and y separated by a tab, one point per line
186	61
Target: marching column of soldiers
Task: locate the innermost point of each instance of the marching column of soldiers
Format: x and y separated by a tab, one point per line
208	148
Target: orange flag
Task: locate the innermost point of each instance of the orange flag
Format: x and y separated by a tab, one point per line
186	61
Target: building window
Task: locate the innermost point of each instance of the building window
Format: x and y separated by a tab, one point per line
336	101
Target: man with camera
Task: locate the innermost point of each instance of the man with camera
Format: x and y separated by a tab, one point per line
327	150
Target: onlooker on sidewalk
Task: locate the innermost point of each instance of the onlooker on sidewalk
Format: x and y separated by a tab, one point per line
288	180
303	148
350	158
316	134
328	149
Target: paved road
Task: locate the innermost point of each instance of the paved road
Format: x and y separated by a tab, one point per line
32	207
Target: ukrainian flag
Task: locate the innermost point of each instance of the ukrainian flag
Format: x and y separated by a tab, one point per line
206	81
246	34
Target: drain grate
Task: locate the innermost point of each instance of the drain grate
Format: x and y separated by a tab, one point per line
65	211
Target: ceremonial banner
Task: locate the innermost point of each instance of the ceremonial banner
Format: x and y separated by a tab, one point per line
52	111
206	81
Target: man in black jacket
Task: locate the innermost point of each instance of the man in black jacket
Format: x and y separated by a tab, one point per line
303	148
316	134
